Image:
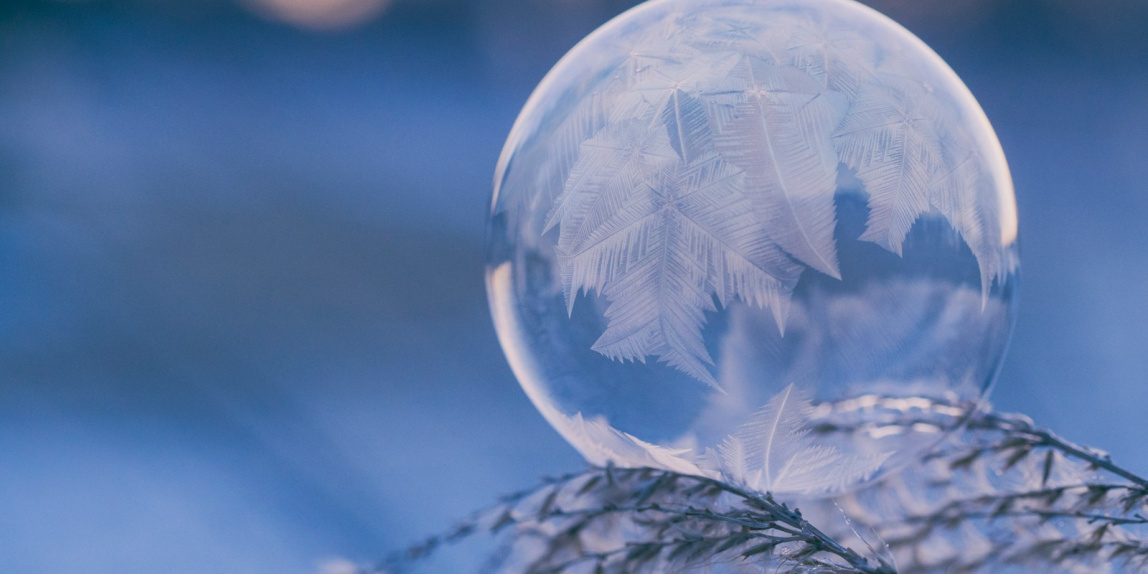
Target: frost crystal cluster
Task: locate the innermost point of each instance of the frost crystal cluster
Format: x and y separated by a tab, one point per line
713	218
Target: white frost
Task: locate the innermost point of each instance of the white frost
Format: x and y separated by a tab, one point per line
702	171
773	452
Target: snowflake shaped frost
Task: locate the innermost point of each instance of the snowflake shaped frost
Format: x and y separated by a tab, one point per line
773	452
702	171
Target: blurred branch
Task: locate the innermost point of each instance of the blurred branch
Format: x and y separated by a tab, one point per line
1006	493
1002	493
1022	436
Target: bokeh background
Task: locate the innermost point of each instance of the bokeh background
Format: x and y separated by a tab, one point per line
242	318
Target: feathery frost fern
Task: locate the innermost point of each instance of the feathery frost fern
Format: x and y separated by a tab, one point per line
703	169
774	452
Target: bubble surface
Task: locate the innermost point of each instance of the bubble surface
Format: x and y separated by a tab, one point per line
720	228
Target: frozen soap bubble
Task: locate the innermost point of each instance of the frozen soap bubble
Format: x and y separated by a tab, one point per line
748	239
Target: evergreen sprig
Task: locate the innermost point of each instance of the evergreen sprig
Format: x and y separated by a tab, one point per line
1007	494
1001	494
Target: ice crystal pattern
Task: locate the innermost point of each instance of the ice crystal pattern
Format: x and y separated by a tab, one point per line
703	170
773	452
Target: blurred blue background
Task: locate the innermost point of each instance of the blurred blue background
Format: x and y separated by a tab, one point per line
242	318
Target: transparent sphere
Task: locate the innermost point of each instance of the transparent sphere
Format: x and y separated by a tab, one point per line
767	241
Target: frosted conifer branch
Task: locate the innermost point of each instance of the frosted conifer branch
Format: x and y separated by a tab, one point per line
1005	494
628	520
1000	496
